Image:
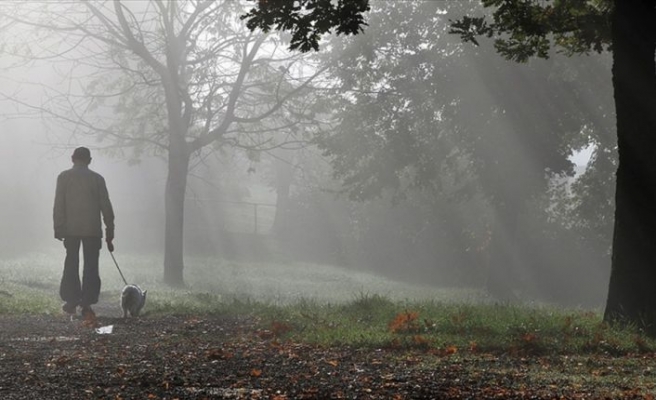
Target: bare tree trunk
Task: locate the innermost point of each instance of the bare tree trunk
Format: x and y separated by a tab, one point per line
176	185
632	288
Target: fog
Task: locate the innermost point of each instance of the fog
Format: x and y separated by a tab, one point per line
483	174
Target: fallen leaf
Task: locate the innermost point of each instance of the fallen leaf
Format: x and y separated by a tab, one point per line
420	340
473	347
529	337
405	322
218	354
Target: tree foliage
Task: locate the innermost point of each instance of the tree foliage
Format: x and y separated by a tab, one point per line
308	20
524	29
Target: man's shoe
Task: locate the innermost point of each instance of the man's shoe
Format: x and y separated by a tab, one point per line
69	308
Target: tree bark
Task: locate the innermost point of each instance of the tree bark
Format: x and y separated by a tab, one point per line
632	287
176	185
176	182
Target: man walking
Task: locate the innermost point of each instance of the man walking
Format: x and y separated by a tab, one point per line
81	198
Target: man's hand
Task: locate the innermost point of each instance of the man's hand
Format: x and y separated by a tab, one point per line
110	245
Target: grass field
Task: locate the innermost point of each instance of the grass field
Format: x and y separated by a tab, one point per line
331	305
36	277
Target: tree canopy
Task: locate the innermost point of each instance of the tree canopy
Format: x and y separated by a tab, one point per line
308	20
525	29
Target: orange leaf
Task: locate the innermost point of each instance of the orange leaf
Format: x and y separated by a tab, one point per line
473	347
529	337
405	322
420	340
451	350
256	372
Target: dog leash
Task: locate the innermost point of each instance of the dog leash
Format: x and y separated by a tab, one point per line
117	267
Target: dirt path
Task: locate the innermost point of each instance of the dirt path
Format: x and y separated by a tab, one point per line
214	357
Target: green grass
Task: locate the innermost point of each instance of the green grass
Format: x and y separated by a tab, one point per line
211	283
328	305
470	328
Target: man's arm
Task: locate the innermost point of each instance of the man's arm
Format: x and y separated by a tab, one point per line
59	209
107	213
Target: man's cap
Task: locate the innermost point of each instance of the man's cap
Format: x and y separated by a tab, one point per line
82	153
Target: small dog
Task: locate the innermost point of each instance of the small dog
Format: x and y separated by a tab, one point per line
132	300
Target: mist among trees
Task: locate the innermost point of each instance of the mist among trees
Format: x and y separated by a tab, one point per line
401	150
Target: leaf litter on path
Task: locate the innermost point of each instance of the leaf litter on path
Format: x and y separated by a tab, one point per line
218	357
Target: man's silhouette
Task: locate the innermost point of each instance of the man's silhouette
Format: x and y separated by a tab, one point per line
81	198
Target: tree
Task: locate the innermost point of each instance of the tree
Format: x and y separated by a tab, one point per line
527	29
630	295
178	79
